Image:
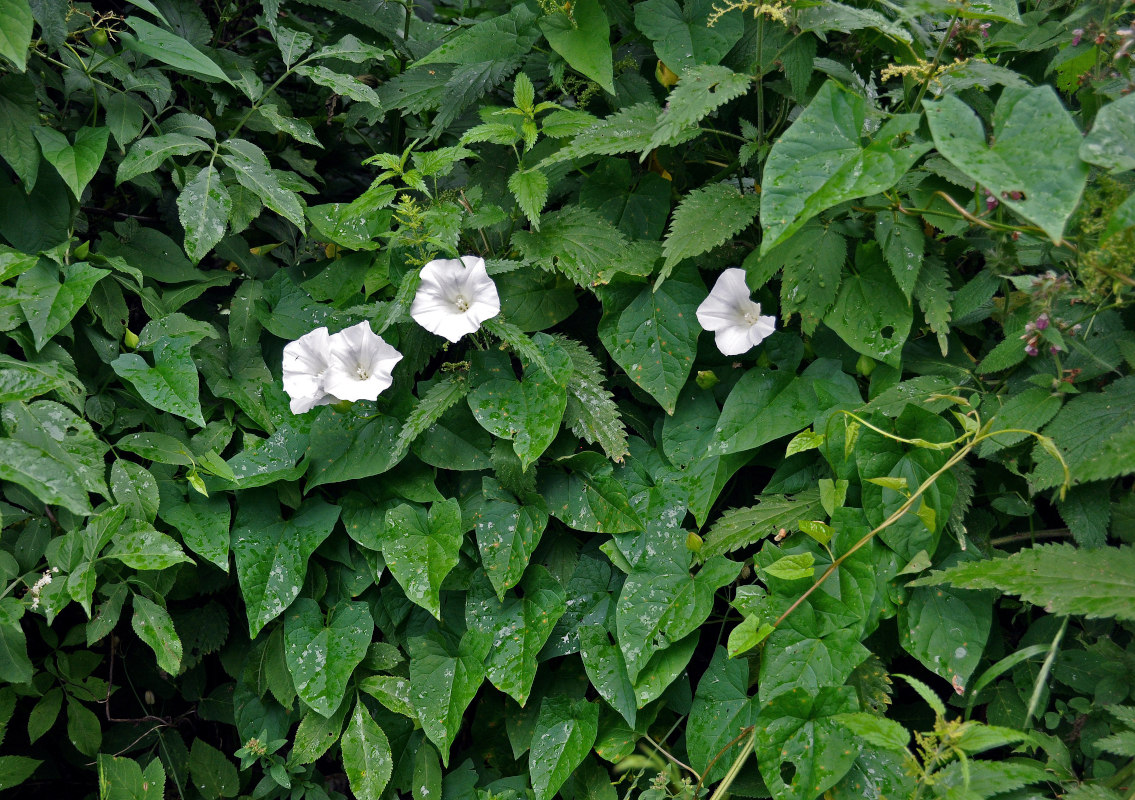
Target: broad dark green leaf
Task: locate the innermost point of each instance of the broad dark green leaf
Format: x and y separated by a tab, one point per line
519	626
421	548
444	682
871	313
272	553
681	35
16	23
803	730
146	155
212	772
53	481
76	163
821	161
721	708
204	207
48	304
1026	122
583	40
653	335
171	384
171	49
203	524
607	670
508	530
323	649
564	733
254	173
587	497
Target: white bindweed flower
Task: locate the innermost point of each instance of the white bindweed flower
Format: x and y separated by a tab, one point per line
305	363
455	297
731	314
361	363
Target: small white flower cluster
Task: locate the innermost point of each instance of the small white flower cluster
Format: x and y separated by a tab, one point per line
454	298
731	314
40	585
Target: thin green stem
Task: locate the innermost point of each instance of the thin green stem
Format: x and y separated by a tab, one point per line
937	60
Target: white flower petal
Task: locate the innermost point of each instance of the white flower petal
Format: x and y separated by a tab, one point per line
455	297
733	340
304	365
763	328
361	364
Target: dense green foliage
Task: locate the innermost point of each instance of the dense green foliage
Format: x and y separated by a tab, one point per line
888	552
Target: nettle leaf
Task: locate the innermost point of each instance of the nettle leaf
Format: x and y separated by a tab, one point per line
440	397
171	384
322	651
812	260
591	412
583	39
367	758
681	35
508	530
563	735
146	155
154	626
821	161
421	548
204	207
1059	577
76	163
584	246
904	246
530	188
700	91
444	681
653	335
871	313
272	553
48	304
738	528
628	130
705	218
518	627
1111	142
1033	165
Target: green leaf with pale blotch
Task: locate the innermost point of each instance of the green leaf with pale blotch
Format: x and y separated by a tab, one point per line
508	531
1111	141
1026	124
705	218
583	39
652	334
323	649
204	207
587	497
76	163
272	553
946	629
53	481
203	524
518	627
421	548
444	681
821	161
607	670
1059	577
563	735
367	759
154	626
171	384
528	411
146	155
